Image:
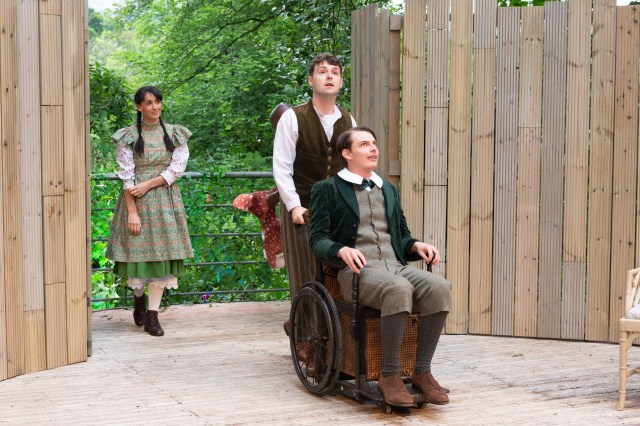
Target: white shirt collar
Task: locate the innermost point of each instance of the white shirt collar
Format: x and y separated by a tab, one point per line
328	116
357	179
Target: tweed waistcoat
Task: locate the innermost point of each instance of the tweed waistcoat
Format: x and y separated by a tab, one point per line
373	238
316	157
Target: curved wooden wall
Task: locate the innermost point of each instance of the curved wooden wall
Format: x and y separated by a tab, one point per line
44	240
518	154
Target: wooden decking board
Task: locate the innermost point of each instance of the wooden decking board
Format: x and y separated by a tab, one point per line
230	364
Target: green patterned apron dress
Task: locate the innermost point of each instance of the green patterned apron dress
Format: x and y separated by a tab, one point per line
163	243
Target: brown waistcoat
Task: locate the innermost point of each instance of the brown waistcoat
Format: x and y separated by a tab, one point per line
316	157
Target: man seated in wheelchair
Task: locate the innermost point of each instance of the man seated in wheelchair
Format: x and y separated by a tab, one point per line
356	217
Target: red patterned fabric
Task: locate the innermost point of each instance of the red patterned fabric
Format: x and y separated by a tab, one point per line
256	203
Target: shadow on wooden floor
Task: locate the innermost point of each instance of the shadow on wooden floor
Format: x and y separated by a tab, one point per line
229	364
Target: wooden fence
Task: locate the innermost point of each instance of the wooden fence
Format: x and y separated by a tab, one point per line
44	236
518	153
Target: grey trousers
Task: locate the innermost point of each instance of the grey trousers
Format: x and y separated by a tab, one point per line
299	261
394	288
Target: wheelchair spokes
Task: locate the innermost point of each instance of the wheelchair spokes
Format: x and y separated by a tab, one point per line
313	341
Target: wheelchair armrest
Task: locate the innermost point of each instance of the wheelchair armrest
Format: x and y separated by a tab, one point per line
415	257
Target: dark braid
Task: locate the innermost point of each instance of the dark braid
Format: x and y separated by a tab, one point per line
167	140
139	147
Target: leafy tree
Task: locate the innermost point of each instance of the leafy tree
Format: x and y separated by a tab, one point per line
223	65
95	23
111	108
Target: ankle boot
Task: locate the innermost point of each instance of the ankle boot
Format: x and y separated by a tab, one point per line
140	309
151	325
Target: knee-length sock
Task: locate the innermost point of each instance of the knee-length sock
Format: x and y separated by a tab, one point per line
392	332
429	330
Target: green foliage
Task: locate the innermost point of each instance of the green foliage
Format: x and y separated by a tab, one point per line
202	197
111	109
95	23
223	65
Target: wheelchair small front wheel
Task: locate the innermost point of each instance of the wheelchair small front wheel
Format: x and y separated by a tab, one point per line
313	340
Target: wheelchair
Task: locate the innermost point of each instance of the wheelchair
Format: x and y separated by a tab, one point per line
336	345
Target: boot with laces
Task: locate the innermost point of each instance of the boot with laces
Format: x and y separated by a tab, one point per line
152	325
139	309
394	391
431	389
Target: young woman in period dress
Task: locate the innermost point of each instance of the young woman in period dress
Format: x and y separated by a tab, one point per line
149	240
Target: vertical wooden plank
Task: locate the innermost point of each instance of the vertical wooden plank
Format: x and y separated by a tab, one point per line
505	172
484	27
356	63
367	72
3	283
50	7
437	14
435	198
437	111
31	181
51	60
603	51
574	268
637	245
436	128
11	184
56	320
412	172
483	132
395	25
73	68
554	90
52	150
87	177
437	92
625	159
87	162
53	221
528	195
35	353
459	178
52	187
54	278
381	83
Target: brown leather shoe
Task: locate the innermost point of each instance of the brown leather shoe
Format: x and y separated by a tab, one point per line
394	391
139	309
306	354
431	389
152	325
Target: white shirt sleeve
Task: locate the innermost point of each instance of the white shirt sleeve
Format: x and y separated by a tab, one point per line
284	155
178	164
124	158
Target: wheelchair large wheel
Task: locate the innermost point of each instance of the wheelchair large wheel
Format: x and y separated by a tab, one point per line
316	339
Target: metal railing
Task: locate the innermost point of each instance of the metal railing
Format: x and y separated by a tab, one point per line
189	176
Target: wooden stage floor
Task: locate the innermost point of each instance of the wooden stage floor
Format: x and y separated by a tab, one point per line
229	364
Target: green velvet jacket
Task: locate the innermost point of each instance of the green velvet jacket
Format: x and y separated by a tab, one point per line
335	217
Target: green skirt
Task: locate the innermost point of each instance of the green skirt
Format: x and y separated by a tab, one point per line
149	269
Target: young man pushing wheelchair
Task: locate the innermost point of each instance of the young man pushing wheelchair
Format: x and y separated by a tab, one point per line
356	217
